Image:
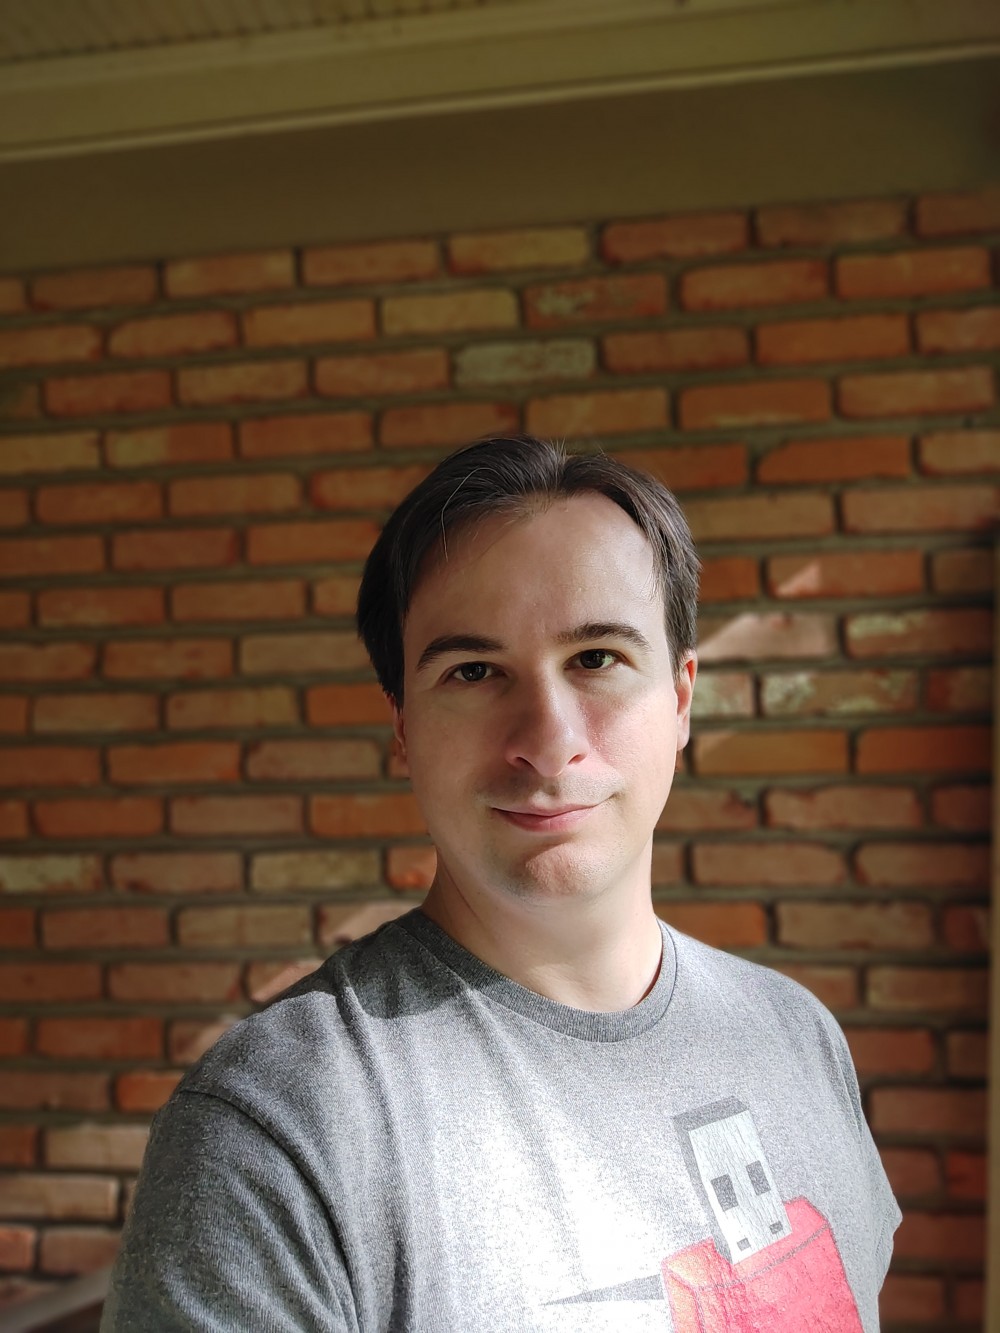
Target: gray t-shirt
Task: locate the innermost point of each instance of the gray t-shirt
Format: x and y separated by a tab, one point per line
408	1140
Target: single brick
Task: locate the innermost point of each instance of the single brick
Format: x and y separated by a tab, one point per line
365	815
49	766
736	286
13	821
684	236
959	330
924	749
486	364
850	222
145	1090
95	1147
736	753
444	424
761	516
275	599
257	492
244	927
177	872
729	578
346	922
51	1090
171	659
723	694
967	1054
553	305
264	706
754	403
336	595
365	488
537	247
938	631
963	808
13	296
189	1040
175	548
912	273
853	458
223	274
763	636
97	502
921	509
46	661
962	571
101	606
56	874
242	382
49	983
13	508
892	1050
861	338
302	435
309	761
706	809
76	451
49	345
17	928
910	865
768	864
20	401
18	1143
94	712
309	322
81	289
691	467
258	816
965	1173
960	451
99	817
316	652
97	395
372	262
855	925
380	373
15	609
177	761
174	335
951	1111
953	214
450	312
934	989
34	557
960	690
156	446
846	574
316	542
69	1251
612	412
105	928
410	869
323	871
917	392
722	925
836	987
174	983
100	1038
843	807
675	349
13	714
966	929
351	705
833	693
61	1197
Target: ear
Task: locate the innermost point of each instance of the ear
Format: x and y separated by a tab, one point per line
398	729
684	686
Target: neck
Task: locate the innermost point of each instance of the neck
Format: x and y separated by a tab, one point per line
601	954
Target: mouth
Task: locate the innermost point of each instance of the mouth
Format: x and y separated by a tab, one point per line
548	821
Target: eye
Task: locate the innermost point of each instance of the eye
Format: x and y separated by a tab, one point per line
596	659
470	673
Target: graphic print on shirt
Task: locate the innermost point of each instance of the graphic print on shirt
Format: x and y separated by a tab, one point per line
767	1265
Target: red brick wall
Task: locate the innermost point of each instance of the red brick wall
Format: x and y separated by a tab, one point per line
198	792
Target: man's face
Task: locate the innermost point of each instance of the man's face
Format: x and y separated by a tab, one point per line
542	712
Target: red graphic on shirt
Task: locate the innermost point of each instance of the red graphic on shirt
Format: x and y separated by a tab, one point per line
795	1285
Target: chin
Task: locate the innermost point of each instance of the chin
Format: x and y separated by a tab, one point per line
559	873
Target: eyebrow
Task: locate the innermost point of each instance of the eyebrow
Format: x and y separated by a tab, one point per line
447	644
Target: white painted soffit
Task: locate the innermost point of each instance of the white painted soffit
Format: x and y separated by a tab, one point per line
505	52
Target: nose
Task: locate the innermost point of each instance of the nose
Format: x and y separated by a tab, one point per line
547	729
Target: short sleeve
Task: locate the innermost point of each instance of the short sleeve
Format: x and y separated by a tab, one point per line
225	1233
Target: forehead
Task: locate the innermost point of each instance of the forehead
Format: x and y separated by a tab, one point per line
578	553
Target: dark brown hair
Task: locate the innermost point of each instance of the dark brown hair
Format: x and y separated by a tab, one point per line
515	475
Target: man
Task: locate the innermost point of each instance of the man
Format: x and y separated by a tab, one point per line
526	1105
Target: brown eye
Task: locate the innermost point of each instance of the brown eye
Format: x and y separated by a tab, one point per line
472	672
595	658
